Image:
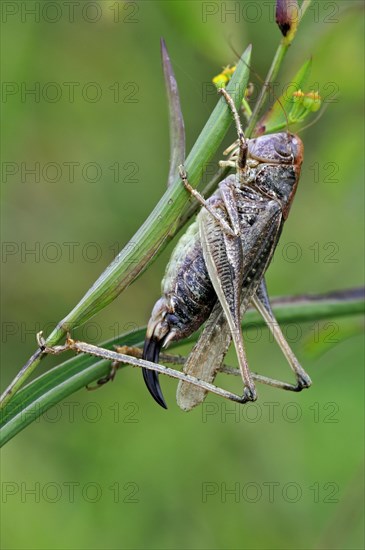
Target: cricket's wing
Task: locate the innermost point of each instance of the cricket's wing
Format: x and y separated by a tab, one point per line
205	358
223	255
258	242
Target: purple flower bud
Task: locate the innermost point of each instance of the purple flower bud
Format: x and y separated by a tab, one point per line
287	15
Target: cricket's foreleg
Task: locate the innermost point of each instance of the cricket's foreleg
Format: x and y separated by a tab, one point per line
242	151
262	304
227	163
232	151
225	226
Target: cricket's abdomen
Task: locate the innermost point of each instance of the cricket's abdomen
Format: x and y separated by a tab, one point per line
187	292
187	300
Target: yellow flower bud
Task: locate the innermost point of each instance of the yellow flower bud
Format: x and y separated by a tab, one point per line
312	101
220	80
298	96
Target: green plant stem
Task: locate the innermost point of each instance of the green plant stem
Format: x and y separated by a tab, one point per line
305	5
271	75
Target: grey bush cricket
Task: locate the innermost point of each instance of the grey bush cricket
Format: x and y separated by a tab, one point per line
217	268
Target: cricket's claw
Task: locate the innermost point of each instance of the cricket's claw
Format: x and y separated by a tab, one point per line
151	352
303	382
249	394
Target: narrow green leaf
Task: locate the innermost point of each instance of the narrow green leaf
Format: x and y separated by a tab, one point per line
177	129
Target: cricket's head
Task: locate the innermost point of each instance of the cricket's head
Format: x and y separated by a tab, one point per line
276	160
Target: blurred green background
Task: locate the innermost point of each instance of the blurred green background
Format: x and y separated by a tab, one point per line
111	469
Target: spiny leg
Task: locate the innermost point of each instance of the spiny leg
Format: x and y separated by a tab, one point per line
155	367
54	350
249	390
180	360
204	202
242	154
225	369
118	358
240	164
232	151
262	304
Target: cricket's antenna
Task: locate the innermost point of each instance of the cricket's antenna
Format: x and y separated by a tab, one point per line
320	114
262	82
242	157
236	53
232	106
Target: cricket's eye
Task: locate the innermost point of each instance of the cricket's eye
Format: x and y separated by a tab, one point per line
284	148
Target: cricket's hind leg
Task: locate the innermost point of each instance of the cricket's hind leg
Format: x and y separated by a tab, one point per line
262	304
